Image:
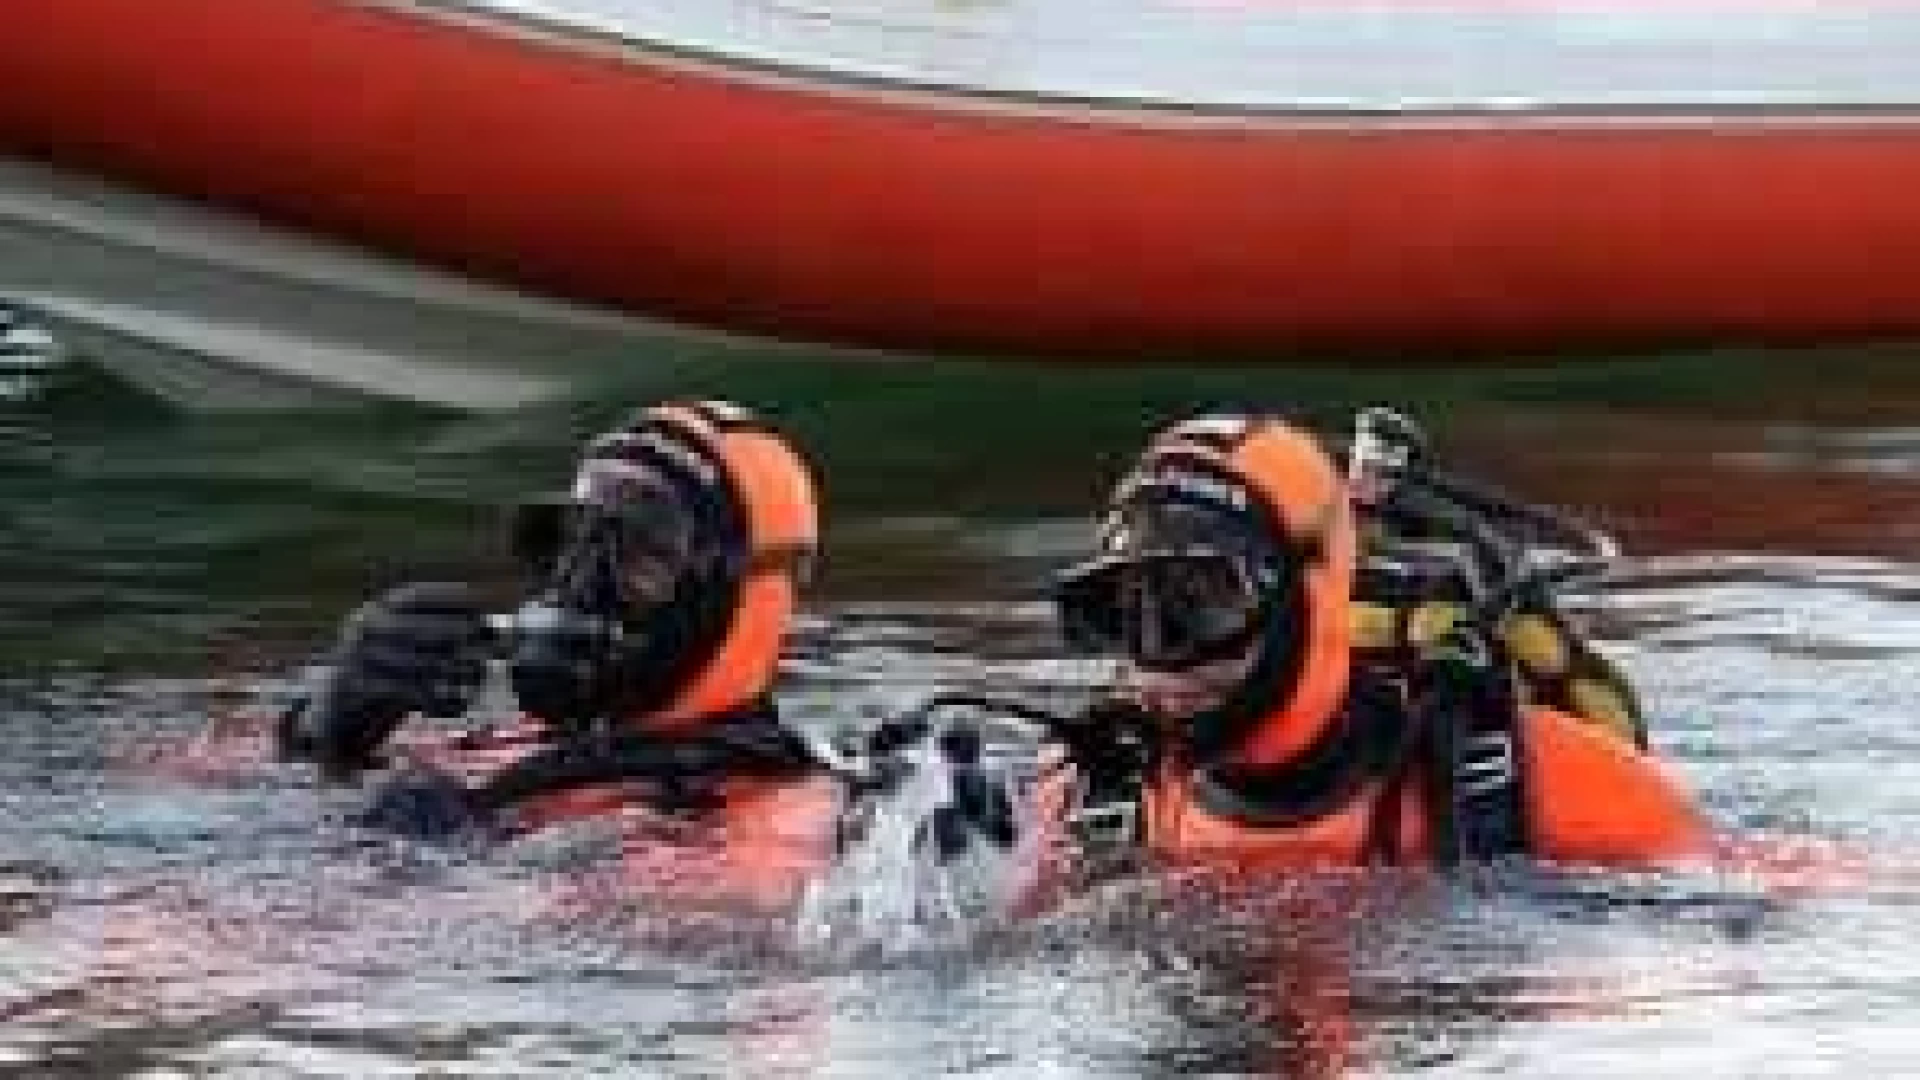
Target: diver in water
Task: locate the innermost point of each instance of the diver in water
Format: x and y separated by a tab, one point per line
663	587
1335	670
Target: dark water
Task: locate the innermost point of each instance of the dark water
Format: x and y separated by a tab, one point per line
156	564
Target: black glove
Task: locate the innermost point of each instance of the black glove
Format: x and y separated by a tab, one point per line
425	805
981	807
1112	744
420	648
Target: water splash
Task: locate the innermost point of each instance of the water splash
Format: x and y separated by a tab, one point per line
896	889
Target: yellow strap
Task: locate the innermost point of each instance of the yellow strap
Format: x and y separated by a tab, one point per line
1602	703
1537	644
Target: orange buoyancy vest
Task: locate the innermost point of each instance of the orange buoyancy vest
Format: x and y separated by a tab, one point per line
1591	799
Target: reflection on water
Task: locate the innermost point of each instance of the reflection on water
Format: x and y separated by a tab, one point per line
134	531
150	924
155	565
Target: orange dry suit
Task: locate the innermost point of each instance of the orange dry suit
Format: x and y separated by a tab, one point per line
679	695
1331	755
664	705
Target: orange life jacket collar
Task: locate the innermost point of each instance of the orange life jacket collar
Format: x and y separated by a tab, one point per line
775	494
1305	664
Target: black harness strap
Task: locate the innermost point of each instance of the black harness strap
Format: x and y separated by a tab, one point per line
1359	745
1401	765
1459	739
1476	756
1464	740
751	744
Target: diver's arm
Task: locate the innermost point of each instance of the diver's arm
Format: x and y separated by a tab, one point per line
753	743
1112	737
434	805
419	648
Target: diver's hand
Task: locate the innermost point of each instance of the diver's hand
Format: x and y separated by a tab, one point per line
1112	741
979	808
419	648
425	804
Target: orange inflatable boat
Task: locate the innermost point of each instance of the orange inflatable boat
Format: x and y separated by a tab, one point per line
1232	178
